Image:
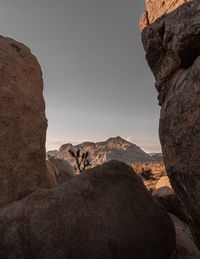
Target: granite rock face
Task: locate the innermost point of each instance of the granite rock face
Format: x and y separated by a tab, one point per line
60	170
165	195
104	213
185	246
171	38
22	122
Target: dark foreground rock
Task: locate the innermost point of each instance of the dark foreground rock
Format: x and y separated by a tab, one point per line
165	195
171	38
22	122
185	246
104	213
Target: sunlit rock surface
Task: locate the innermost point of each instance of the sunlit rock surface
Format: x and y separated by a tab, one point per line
22	122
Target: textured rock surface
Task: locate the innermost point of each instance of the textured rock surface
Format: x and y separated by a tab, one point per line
171	38
104	213
60	170
163	187
185	246
164	193
22	122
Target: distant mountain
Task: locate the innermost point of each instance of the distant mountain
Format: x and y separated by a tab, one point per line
100	152
52	152
156	157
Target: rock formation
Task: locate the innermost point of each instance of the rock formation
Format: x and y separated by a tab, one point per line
164	193
171	38
185	246
104	213
163	187
60	170
22	122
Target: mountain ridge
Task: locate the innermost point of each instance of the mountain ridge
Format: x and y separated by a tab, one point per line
100	152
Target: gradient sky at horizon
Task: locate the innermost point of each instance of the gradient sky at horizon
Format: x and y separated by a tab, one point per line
96	81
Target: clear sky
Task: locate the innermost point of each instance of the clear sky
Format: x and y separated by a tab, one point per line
96	81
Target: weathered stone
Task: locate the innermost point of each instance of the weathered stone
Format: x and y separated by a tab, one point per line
104	213
22	122
171	38
60	170
163	187
185	246
164	193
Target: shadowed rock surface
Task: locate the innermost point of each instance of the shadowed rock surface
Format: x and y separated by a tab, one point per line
60	170
104	213
185	246
171	38
164	193
22	122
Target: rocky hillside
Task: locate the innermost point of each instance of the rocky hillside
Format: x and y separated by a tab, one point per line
101	152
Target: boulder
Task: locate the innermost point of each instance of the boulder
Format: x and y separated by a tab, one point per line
104	213
50	172
60	170
185	246
163	187
22	122
171	38
166	196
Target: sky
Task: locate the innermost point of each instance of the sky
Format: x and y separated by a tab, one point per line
97	83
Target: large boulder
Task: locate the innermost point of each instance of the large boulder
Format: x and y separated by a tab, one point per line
164	193
104	213
60	170
22	122
171	38
163	188
185	246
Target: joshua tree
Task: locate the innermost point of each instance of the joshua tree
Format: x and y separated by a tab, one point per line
82	160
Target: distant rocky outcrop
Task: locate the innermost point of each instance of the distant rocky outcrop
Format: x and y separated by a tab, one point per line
52	153
156	157
101	152
171	38
104	213
22	122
